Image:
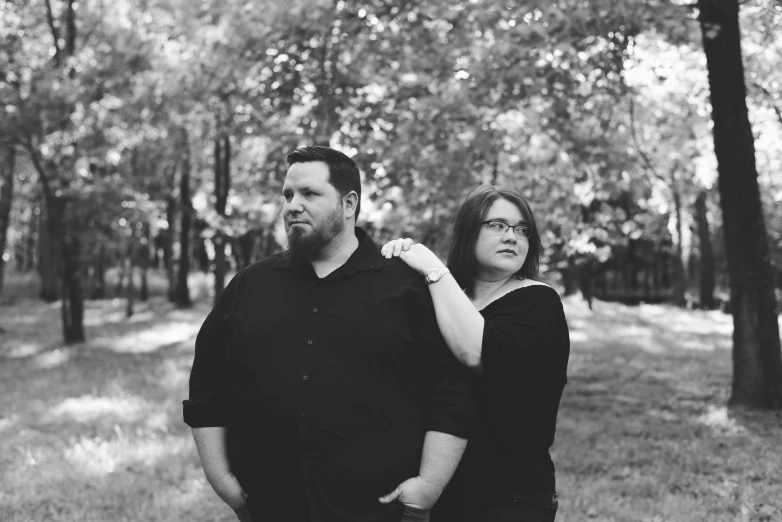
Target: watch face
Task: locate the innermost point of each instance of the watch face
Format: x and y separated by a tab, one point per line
433	275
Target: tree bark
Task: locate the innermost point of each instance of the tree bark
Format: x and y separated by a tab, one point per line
679	273
182	291
70	29
122	274
144	263
130	289
222	168
72	308
98	286
7	163
706	253
48	253
29	258
757	358
168	247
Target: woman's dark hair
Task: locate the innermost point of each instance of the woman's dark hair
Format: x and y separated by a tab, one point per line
467	226
343	172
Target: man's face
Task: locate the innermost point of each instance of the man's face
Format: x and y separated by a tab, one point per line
313	210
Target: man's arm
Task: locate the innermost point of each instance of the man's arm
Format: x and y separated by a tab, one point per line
205	411
441	454
212	449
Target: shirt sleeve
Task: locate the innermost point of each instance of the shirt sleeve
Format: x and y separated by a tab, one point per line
207	405
531	331
450	384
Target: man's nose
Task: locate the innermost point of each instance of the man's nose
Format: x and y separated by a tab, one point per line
294	205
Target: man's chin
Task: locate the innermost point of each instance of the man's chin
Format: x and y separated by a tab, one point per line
301	243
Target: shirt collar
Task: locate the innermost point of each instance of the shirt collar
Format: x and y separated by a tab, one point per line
365	257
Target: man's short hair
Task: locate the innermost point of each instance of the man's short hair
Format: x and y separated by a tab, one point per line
343	172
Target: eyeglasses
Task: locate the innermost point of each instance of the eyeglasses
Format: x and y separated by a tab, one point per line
500	227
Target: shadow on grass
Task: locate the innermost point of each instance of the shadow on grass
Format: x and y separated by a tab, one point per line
93	431
643	431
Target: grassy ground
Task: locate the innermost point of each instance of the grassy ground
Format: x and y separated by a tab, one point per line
94	432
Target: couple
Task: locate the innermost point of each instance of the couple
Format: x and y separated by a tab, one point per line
333	382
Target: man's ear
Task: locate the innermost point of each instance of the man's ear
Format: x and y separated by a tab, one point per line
350	203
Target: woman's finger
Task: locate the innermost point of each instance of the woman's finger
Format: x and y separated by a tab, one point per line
407	243
391	496
398	244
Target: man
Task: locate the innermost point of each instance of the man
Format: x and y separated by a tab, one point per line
320	381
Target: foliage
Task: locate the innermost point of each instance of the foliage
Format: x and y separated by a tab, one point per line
597	111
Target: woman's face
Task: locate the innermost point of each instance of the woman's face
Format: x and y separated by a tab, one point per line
501	254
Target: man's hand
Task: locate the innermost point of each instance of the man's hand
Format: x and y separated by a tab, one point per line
415	492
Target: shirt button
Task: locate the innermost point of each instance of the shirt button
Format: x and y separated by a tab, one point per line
301	414
309	342
314	309
305	377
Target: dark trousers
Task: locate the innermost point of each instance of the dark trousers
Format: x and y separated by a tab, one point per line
523	508
300	513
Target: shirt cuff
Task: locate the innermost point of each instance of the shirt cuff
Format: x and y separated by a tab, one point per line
199	415
456	424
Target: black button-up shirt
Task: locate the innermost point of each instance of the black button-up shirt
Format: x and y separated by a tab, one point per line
327	386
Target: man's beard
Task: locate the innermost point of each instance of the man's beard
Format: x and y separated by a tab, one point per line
308	244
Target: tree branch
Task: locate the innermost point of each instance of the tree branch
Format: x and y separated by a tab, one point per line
647	162
28	143
53	29
774	106
70	24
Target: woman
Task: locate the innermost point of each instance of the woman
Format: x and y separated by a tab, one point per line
509	328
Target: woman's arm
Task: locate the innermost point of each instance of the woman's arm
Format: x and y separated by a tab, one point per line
460	323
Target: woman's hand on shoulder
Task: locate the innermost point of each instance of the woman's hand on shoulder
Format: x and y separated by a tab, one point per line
396	246
416	256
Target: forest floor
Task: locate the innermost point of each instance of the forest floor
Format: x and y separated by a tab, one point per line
94	432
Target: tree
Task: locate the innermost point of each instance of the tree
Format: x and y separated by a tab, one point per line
7	162
757	357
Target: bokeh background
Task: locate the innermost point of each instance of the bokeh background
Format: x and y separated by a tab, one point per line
142	154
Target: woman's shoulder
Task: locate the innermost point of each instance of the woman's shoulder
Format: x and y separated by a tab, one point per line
527	292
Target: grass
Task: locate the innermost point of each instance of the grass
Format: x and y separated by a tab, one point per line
93	432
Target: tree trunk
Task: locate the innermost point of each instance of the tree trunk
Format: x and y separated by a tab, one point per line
98	285
570	276
679	273
182	291
48	253
200	252
29	259
144	262
757	358
72	289
168	248
7	160
707	253
222	162
130	289
122	274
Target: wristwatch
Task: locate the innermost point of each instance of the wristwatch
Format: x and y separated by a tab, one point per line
434	275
